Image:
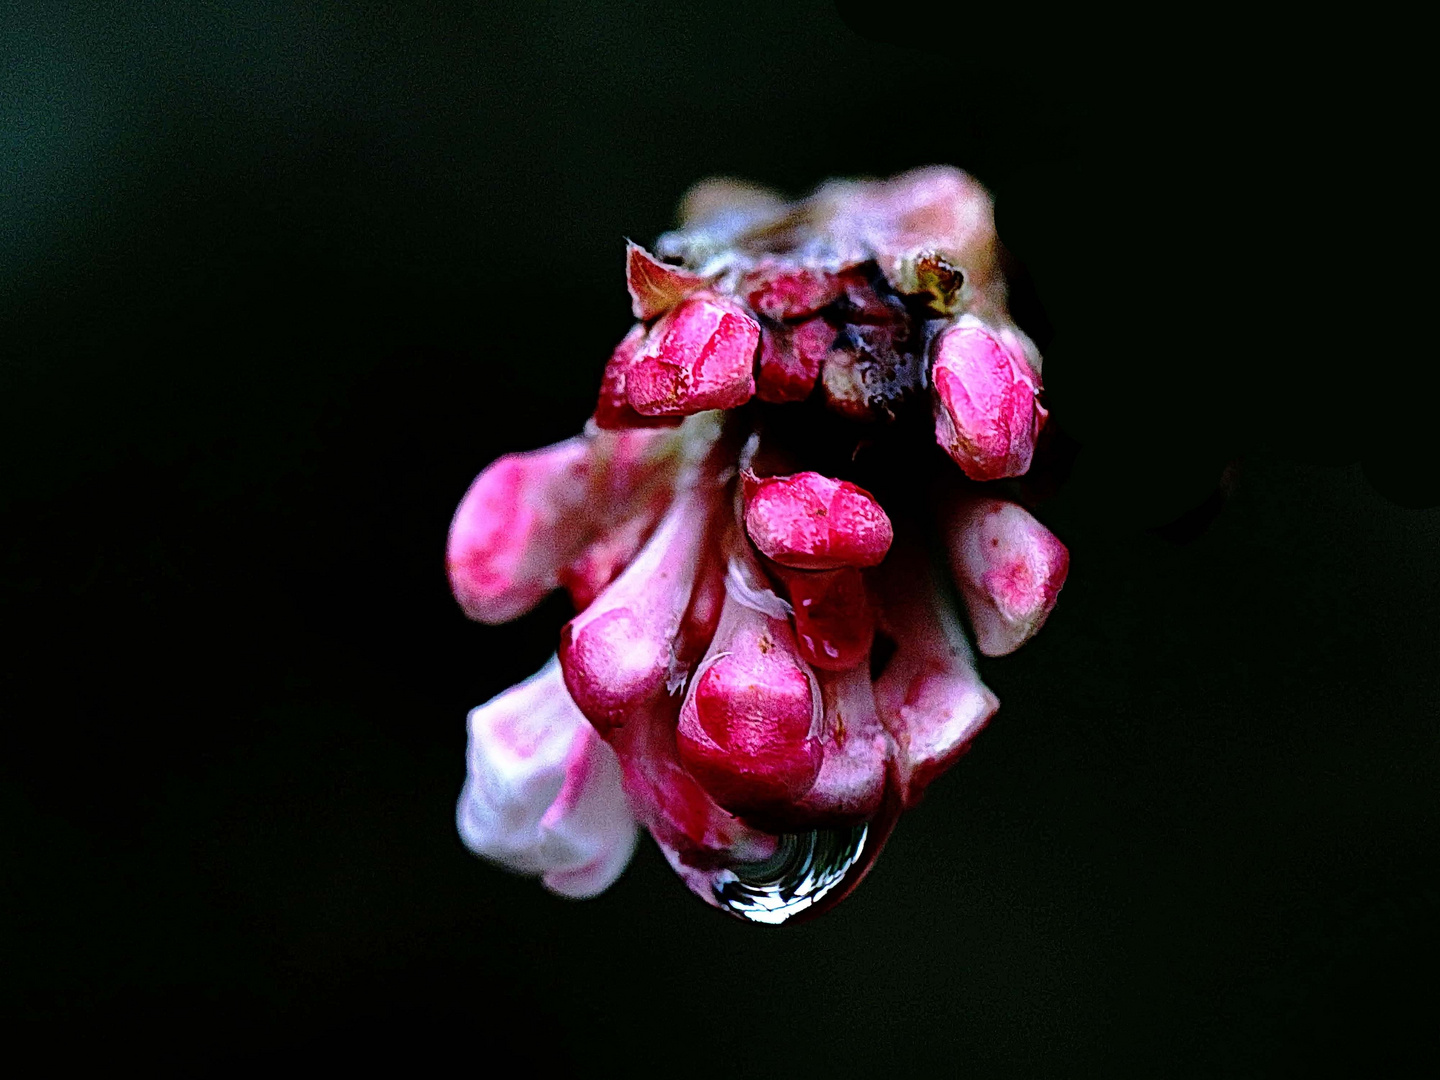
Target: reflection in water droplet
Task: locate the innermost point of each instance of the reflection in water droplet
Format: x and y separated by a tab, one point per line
803	869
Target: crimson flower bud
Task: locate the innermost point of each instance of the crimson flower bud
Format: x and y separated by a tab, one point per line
834	623
613	411
812	522
543	793
987	408
750	733
700	355
783	290
790	359
930	697
1010	570
750	723
688	824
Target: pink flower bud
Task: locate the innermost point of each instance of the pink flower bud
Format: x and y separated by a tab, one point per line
812	522
856	748
1009	568
930	697
834	623
655	287
750	723
987	408
620	650
784	290
543	793
699	356
613	411
528	515
790	359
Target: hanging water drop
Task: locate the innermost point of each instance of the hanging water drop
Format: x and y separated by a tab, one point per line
803	869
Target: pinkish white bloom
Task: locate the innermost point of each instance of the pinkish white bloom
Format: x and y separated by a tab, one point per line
544	793
765	669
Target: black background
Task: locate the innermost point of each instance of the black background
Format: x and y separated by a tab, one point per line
277	279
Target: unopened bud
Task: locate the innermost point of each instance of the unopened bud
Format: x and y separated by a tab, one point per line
1009	568
613	411
750	723
813	522
656	287
784	290
855	746
987	408
790	359
527	516
700	355
618	652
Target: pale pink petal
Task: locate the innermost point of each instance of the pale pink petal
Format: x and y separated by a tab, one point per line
543	794
1009	567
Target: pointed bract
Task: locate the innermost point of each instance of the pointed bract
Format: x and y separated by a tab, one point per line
791	358
656	287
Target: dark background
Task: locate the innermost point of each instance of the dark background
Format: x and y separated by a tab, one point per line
276	280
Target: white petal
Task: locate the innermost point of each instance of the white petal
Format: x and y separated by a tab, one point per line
543	794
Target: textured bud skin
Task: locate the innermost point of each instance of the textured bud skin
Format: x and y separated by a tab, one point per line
701	355
929	697
786	291
669	801
749	725
618	652
613	411
790	359
813	522
834	623
987	409
1010	570
543	793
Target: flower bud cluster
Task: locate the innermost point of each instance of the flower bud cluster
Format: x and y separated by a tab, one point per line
762	647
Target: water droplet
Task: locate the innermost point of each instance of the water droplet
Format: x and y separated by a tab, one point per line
803	869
